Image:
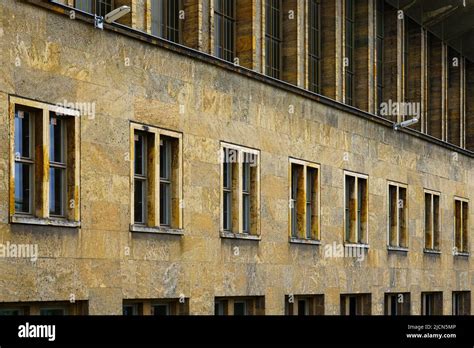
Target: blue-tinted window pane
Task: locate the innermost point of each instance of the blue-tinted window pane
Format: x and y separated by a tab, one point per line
22	187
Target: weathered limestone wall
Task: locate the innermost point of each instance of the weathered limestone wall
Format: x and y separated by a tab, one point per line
60	59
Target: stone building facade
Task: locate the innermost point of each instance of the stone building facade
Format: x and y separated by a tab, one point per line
143	176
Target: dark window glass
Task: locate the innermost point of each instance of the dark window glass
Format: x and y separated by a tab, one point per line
224	17
273	38
239	308
314	45
165	20
165	181
99	7
22	187
349	50
160	310
140	178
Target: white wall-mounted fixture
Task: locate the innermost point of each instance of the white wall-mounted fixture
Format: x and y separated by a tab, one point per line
404	124
111	17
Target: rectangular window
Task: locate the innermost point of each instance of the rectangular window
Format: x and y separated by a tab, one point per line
273	37
380	34
240	198
44	308
314	12
57	166
302	305
157	180
432	221
239	306
461	226
304	200
431	303
159	307
98	7
45	164
140	178
397	216
24	161
165	19
349	40
356	209
356	304
397	304
461	303
224	27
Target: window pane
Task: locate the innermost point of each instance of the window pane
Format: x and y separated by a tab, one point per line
246	177
139	154
246	213
22	187
227	210
428	225
165	204
56	191
139	200
162	309
239	308
55	311
84	5
392	213
165	159
22	134
56	140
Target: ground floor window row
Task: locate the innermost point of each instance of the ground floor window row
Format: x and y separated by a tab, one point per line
350	304
45	184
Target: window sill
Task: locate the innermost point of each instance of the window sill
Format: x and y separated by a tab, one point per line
356	245
31	220
156	230
231	235
395	248
461	254
293	240
432	251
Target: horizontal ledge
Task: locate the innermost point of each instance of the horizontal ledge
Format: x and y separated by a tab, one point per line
243	236
31	220
353	245
394	248
304	241
156	230
432	251
462	254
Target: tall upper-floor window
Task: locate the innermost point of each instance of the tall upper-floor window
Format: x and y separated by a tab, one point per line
45	162
314	12
349	44
273	38
165	19
379	40
99	7
224	26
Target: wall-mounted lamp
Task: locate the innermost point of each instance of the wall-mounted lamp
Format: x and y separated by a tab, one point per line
111	17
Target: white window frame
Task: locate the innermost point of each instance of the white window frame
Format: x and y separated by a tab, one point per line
357	176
